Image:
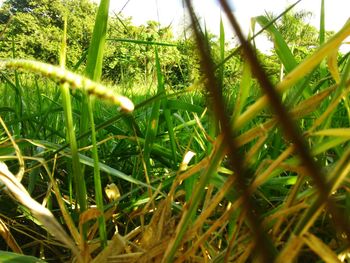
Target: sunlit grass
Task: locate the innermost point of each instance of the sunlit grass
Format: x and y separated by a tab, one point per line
163	181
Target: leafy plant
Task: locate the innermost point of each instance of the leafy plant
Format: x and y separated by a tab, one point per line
214	160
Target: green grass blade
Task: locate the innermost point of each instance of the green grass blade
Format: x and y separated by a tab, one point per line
166	112
9	257
322	24
222	52
298	73
97	45
79	180
170	127
152	127
185	106
94	71
197	196
281	47
143	42
244	90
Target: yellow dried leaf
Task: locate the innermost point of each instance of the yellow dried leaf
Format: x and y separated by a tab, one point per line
320	248
337	132
112	192
9	239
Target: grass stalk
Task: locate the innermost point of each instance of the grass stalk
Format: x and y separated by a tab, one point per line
78	176
93	71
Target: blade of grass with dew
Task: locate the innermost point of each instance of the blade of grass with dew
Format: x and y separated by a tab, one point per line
94	71
78	176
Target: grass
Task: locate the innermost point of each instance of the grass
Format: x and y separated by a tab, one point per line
218	171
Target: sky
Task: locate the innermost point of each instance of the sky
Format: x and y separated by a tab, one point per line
171	12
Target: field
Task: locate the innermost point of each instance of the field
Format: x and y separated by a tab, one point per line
125	144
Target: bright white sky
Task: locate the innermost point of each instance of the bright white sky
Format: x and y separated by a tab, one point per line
172	12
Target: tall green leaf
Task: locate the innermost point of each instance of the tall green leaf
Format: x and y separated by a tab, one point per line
94	71
281	46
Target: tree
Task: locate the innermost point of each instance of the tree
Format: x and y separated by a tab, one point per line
35	28
130	52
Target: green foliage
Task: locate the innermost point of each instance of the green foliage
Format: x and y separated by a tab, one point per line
36	27
170	161
18	258
295	30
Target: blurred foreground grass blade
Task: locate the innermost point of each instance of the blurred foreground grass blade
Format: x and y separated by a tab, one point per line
290	130
320	248
41	213
222	53
266	251
94	71
336	132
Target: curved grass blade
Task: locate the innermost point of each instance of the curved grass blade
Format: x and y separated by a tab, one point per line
41	213
281	46
9	257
